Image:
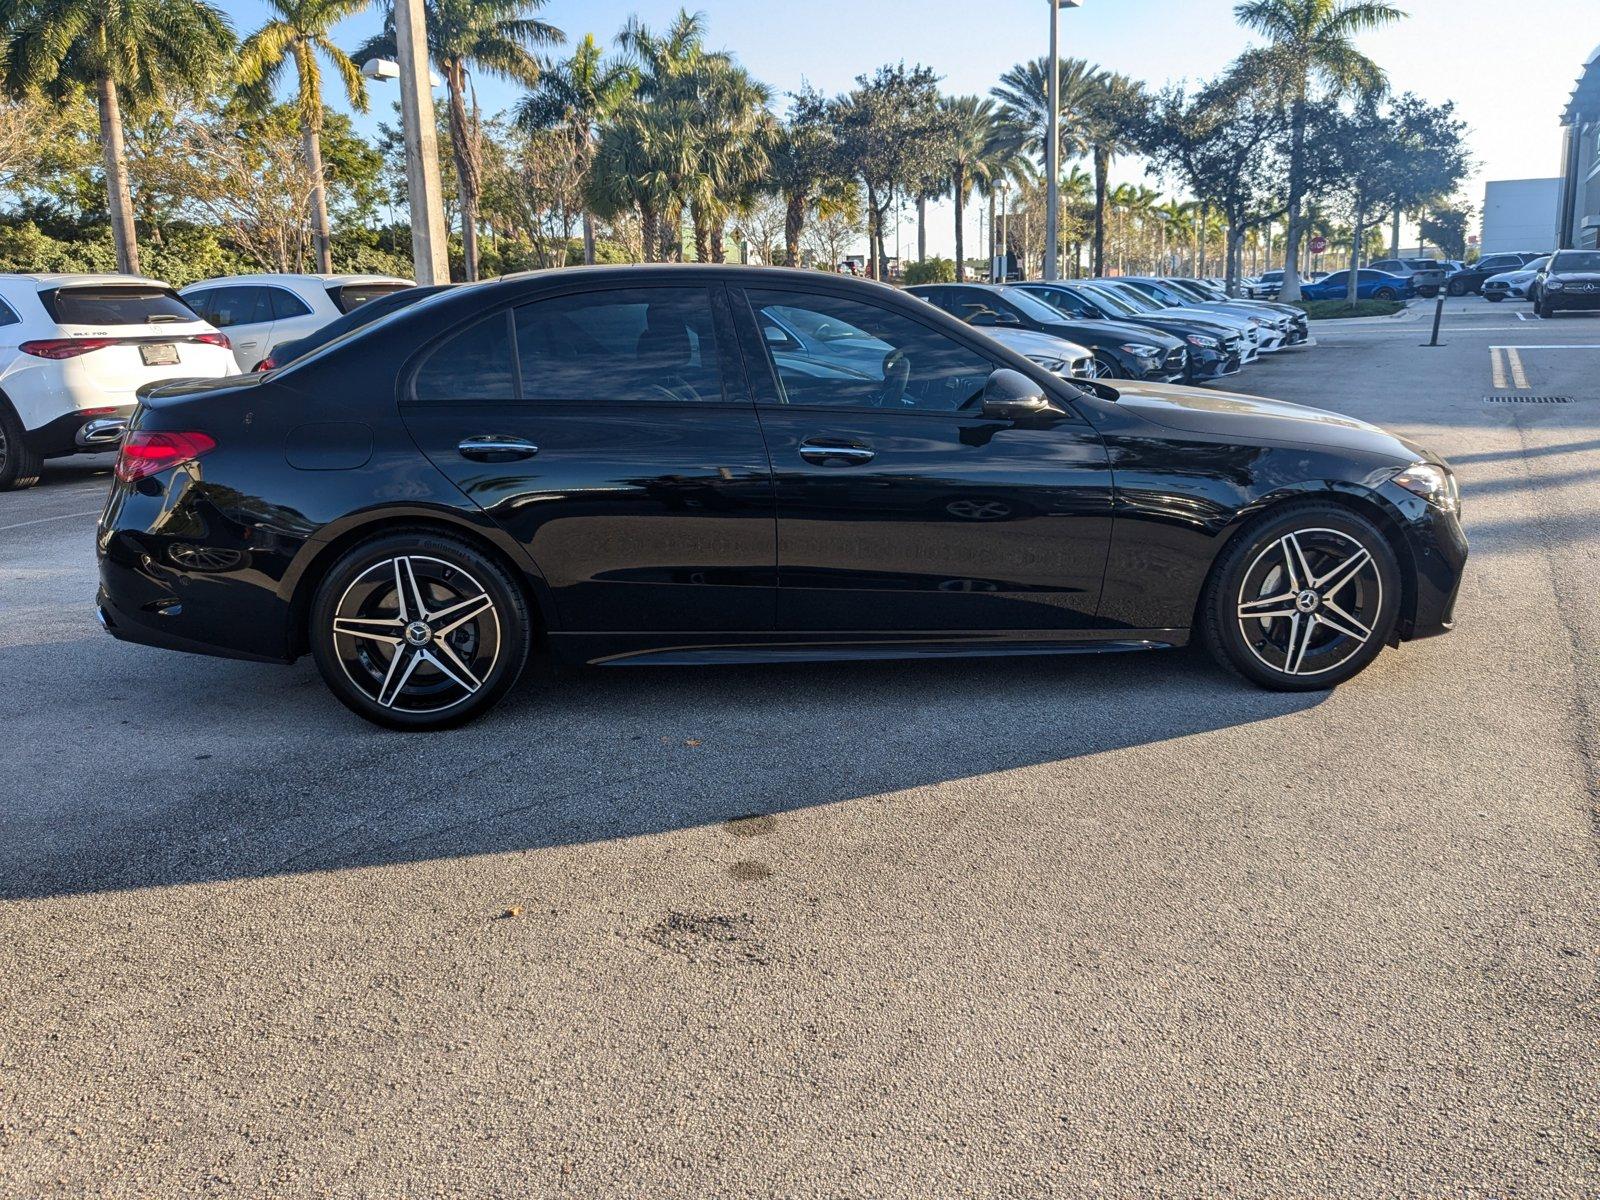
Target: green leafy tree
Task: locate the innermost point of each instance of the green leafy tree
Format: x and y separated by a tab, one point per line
133	50
894	134
1311	44
807	170
299	33
1024	114
579	94
496	37
976	152
1446	227
1115	115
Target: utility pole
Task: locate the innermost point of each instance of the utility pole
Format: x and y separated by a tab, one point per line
429	242
1052	150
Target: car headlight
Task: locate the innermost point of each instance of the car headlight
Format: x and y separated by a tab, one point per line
1433	483
1139	351
1553	285
1201	340
1054	365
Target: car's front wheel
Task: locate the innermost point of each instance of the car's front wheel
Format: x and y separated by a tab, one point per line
1109	367
19	466
1545	309
1456	288
1302	600
419	631
1494	297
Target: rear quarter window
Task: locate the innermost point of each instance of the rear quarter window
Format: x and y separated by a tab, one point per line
349	296
118	305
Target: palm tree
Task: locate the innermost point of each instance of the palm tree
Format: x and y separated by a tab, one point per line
493	36
1023	94
1113	118
580	95
1311	42
628	176
297	33
121	49
975	156
806	170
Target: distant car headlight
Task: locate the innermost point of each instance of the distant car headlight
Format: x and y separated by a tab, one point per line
1138	351
1553	285
1054	365
1433	483
1201	340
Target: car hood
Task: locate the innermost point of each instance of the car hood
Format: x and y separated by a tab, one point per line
1026	341
1512	277
1253	418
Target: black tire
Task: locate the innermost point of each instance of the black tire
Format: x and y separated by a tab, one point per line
1494	297
1455	288
1110	368
489	646
19	466
1252	572
1428	293
1545	309
1384	293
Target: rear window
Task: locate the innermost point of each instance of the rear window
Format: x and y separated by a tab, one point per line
115	305
349	296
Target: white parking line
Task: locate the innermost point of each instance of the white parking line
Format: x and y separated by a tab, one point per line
1562	346
1497	366
93	512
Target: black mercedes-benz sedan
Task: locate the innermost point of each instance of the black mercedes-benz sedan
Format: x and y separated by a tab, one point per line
645	465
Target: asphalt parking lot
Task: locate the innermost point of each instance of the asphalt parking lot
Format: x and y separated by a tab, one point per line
1120	926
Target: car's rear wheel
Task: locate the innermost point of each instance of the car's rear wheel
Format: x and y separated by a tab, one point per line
419	631
1302	600
1456	288
1384	293
1428	293
19	466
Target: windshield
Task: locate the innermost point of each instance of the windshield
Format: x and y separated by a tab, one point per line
1110	302
1538	264
1153	292
1034	307
1131	299
1186	287
1576	260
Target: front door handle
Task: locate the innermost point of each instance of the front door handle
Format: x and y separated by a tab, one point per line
840	454
492	447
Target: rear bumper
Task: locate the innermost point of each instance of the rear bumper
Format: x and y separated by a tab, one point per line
76	432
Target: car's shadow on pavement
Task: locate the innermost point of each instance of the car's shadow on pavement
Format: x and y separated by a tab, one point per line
263	772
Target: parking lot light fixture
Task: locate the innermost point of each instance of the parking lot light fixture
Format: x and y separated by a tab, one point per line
1052	150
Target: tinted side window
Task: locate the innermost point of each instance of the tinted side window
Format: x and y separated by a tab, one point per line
858	355
475	364
7	315
639	345
237	306
201	303
285	303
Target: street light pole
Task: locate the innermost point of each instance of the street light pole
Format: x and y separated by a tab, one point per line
1052	150
429	244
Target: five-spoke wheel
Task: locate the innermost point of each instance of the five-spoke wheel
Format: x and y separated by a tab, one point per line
419	631
1306	599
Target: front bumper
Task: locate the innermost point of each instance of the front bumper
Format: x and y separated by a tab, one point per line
1206	365
1571	298
1437	547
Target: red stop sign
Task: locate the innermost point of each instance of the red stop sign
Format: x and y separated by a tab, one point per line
1319	244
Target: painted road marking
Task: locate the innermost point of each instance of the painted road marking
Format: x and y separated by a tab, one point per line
1497	367
1517	376
93	512
1562	346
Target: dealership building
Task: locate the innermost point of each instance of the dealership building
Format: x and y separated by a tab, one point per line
1578	199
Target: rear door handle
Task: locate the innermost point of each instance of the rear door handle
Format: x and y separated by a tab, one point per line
492	447
841	454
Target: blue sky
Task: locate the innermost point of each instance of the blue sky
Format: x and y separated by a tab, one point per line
1508	64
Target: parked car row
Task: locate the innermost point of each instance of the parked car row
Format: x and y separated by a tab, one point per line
76	349
1162	329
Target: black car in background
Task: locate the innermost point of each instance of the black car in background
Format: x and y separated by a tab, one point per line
1570	280
379	306
1214	351
1469	280
622	466
1123	350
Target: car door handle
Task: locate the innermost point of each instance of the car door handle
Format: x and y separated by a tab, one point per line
491	447
843	454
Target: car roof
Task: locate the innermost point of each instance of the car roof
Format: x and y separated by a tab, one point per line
275	277
71	279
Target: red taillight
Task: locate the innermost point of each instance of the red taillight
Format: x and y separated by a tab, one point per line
266	364
65	347
214	339
144	453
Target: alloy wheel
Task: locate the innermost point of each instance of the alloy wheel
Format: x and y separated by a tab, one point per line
416	634
1309	601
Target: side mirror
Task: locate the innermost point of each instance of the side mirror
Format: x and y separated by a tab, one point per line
1011	396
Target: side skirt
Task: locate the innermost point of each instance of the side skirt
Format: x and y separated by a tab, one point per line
626	650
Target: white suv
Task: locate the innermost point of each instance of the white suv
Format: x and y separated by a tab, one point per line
74	350
260	311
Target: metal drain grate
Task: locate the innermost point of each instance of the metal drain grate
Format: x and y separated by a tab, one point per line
1519	398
